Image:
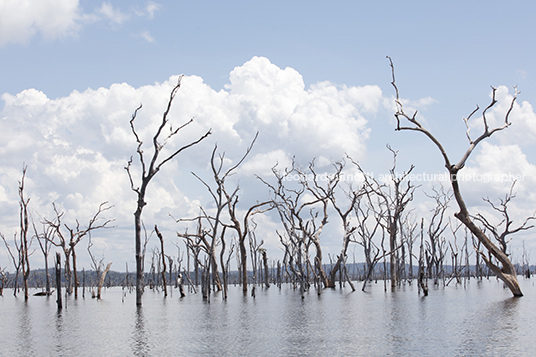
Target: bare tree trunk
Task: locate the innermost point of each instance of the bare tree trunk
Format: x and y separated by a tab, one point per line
75	274
24	225
101	281
58	281
421	274
163	272
392	258
266	271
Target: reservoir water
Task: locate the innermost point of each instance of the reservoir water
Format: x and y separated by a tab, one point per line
480	319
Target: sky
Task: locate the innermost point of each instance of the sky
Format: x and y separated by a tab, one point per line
311	77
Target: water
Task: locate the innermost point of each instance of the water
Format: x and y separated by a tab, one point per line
480	320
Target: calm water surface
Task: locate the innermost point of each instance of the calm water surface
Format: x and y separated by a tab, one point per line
481	319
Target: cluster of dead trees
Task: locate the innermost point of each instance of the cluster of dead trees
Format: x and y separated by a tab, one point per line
54	232
302	200
370	213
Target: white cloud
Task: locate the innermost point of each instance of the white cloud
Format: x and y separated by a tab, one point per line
115	15
22	19
147	37
492	171
151	8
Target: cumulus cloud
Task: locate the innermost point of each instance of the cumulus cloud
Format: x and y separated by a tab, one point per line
492	172
22	19
77	146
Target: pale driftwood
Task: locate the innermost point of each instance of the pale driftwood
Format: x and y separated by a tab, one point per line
101	281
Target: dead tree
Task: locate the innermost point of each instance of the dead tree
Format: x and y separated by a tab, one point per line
21	262
436	247
3	279
225	262
24	226
508	272
16	259
57	265
44	239
101	280
365	237
525	261
266	270
393	197
329	191
242	231
503	230
409	236
303	219
67	237
456	254
163	256
254	249
422	283
147	173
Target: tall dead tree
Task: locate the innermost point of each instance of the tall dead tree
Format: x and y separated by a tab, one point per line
148	172
21	260
504	229
24	225
507	273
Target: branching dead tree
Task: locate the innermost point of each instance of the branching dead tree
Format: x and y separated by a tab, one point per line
365	236
148	172
67	237
503	230
44	239
436	246
242	230
16	260
507	273
303	218
3	279
393	198
329	191
409	236
21	261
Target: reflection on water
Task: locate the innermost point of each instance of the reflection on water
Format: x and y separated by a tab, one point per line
140	345
480	320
